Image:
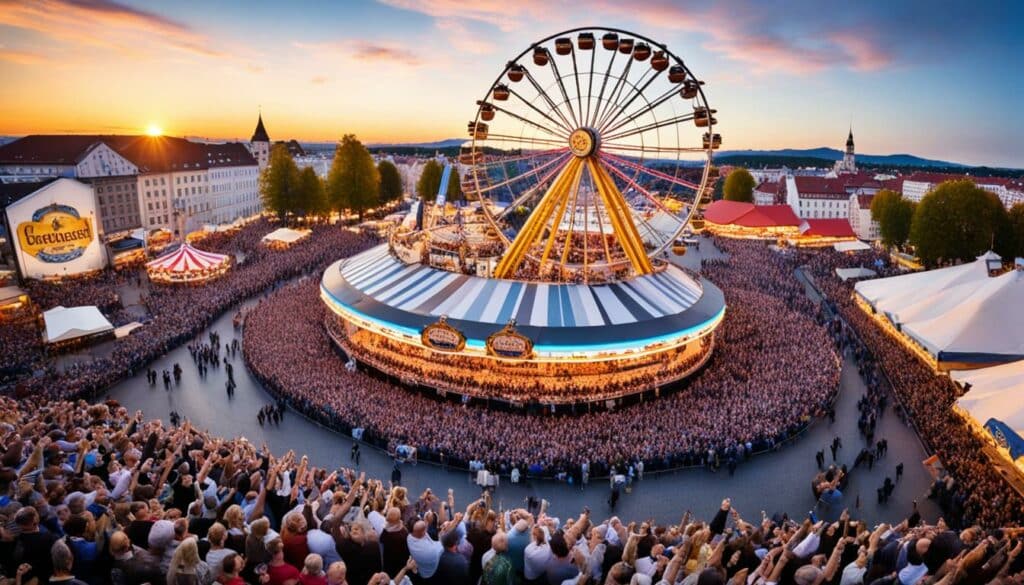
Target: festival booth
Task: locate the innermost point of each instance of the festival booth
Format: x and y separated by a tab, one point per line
817	232
69	325
187	265
734	219
993	406
127	252
955	318
851	246
284	238
14	304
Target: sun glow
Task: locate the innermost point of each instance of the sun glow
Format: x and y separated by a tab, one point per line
154	130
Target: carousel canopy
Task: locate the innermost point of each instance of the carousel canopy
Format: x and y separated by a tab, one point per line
187	259
66	323
285	235
993	400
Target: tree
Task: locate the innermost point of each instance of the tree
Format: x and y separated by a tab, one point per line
454	186
353	182
279	182
958	221
390	181
739	186
1017	229
312	198
429	181
894	215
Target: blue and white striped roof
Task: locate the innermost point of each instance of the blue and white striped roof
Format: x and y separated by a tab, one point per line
378	285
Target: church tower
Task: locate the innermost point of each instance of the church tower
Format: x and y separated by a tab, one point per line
259	145
848	159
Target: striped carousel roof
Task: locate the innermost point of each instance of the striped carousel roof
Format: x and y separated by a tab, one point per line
378	286
187	259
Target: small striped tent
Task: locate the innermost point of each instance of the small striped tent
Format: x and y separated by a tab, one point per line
187	264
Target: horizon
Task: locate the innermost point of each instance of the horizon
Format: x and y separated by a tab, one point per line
781	79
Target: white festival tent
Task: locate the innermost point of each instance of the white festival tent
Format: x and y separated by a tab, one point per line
994	398
896	293
973	324
854	246
63	323
845	274
286	235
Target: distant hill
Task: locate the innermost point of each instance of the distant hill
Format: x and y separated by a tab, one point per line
832	154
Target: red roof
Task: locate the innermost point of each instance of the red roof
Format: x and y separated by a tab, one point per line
828	228
936	178
768	187
812	186
769	216
725	212
187	259
749	215
864	201
149	153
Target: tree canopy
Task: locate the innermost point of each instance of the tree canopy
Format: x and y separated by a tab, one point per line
390	181
312	197
739	186
1017	229
894	215
279	183
429	181
353	182
959	221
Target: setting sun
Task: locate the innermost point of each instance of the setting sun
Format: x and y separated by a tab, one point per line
154	130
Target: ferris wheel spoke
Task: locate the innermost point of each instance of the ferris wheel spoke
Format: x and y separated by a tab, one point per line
604	83
525	120
524	139
519	158
652	126
529	104
620	146
650	107
620	109
576	78
613	96
631	182
654	173
535	171
590	81
561	86
547	98
531	191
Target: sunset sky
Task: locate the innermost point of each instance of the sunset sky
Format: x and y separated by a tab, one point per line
920	77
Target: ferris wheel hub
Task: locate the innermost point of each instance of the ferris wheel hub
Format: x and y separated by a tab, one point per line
584	141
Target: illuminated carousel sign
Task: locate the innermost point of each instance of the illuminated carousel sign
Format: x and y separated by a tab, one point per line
509	343
443	337
56	234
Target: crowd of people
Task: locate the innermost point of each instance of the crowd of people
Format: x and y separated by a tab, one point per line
974	489
93	495
176	313
774	369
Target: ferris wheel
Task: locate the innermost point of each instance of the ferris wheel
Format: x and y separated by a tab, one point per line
590	153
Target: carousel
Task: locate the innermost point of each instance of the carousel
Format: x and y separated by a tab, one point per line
187	265
588	161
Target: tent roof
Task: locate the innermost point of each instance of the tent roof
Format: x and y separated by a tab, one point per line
723	211
63	323
982	322
187	259
827	228
995	394
860	272
286	235
769	216
854	246
892	294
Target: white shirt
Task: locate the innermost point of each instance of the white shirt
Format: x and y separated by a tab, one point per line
426	552
321	543
535	559
852	574
377	520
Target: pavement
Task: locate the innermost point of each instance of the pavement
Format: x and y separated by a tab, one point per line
773	482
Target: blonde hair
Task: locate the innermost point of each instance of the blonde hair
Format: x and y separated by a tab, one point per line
216	533
260	527
234	516
314	564
185	559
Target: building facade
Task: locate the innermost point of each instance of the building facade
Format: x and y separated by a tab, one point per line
860	218
1009	191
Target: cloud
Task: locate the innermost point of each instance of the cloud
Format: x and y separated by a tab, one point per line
22	57
319	80
460	37
364	51
798	36
105	24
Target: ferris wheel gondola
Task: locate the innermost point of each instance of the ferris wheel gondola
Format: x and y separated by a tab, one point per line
590	159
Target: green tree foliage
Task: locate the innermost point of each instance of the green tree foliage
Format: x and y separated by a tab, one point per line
390	181
958	221
353	182
894	215
739	186
1017	229
279	183
313	197
455	186
429	181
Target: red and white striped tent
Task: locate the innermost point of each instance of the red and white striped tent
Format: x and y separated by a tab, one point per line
187	264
